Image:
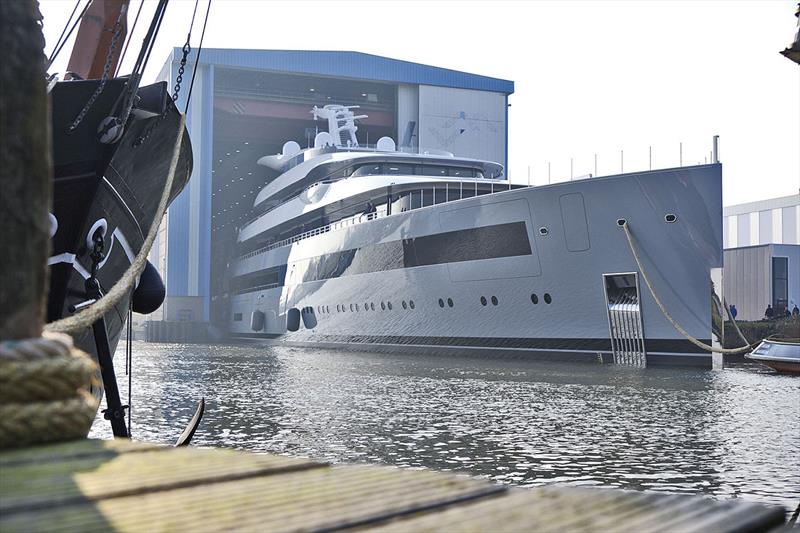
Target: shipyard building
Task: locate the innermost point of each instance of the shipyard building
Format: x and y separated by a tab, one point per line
762	256
246	103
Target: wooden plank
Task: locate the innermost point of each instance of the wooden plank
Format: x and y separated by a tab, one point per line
74	449
576	509
127	486
321	499
33	485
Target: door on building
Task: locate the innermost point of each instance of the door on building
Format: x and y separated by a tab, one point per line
780	285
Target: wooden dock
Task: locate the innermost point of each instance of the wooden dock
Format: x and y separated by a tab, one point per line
93	485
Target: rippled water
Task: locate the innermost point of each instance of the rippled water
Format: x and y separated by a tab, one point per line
734	433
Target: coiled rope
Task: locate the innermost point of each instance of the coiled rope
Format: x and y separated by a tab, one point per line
44	391
678	328
112	297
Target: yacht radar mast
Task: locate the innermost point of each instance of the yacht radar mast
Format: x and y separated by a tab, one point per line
341	123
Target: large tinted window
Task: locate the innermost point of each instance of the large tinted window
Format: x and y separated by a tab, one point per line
488	242
371	169
395	168
263	279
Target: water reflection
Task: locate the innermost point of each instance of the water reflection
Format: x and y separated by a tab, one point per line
731	433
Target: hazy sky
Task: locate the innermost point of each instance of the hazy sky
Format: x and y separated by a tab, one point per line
590	77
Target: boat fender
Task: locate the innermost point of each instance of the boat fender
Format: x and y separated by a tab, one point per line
149	294
293	319
309	318
257	320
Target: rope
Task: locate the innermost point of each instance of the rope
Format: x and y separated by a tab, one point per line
678	328
197	58
111	298
44	391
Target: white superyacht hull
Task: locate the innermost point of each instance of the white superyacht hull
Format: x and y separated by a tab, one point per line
344	280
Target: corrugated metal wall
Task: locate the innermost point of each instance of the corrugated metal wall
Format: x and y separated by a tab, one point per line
748	280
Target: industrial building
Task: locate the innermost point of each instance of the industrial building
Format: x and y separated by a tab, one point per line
246	103
762	256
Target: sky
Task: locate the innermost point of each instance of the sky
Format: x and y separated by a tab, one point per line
618	80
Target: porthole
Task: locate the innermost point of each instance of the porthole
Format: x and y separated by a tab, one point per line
383	306
366	306
534	299
344	308
356	308
352	307
328	309
543	231
450	302
411	304
405	305
494	300
547	298
372	306
441	302
389	305
621	222
669	218
337	308
483	300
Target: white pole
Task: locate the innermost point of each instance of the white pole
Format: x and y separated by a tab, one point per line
548	172
529	176
570	169
595	164
621	161
680	154
650	148
715	149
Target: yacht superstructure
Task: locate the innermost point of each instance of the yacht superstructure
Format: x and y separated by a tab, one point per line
388	250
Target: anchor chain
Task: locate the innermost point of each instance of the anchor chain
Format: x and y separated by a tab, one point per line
104	78
186	49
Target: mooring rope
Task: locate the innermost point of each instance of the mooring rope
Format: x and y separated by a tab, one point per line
44	391
112	297
678	328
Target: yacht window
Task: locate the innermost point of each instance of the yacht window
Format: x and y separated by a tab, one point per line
368	170
383	306
429	170
237	317
441	302
389	305
372	306
462	172
392	168
478	174
405	306
411	304
450	302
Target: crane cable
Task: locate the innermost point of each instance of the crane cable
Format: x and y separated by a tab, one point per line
60	44
678	328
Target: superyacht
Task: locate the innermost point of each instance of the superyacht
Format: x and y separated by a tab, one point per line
384	249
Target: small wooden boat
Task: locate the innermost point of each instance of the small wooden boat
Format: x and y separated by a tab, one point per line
780	355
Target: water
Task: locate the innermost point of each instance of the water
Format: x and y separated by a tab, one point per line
725	434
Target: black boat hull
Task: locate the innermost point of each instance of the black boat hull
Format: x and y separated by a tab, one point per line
115	186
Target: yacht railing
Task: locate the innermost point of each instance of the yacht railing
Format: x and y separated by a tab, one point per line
339	224
366	217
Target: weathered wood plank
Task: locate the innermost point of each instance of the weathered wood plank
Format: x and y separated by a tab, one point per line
127	486
33	485
310	500
83	448
576	509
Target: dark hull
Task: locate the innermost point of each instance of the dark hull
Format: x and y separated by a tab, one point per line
120	183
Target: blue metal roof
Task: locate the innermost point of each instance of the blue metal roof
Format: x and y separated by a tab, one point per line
355	65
